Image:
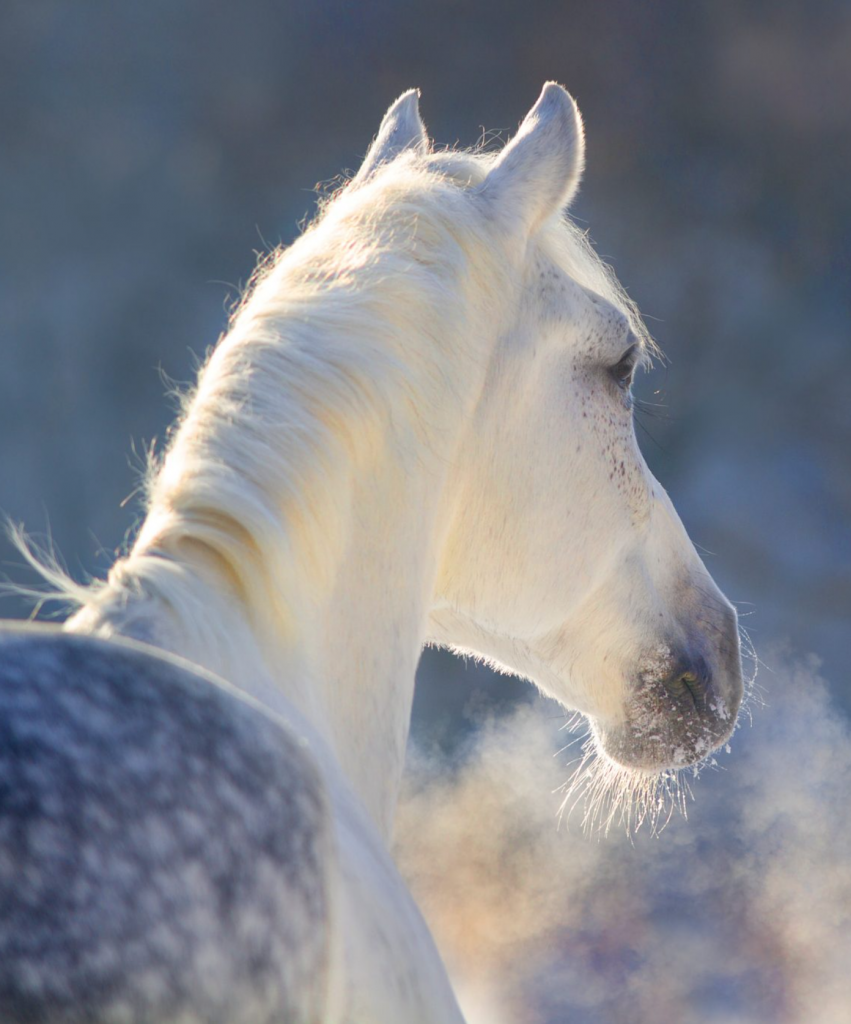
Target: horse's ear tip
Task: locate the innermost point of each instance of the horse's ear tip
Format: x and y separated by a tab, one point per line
406	111
555	95
553	88
408	101
556	103
401	129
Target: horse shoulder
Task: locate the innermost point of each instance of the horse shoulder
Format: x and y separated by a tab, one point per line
166	848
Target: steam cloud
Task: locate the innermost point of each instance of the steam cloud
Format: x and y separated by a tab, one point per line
739	915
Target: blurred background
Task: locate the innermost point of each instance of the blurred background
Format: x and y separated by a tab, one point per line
147	151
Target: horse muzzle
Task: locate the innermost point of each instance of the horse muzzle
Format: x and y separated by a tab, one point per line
683	705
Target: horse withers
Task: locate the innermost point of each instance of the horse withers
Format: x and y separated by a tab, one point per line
418	427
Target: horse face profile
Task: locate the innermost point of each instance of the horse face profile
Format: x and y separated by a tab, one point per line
566	561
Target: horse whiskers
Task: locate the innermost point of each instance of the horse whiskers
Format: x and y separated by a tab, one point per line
753	691
574	721
611	794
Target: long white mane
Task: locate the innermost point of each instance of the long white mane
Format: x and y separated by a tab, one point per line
329	332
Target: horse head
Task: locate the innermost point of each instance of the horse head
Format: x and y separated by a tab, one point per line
564	560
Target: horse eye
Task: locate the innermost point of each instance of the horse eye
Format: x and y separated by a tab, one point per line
624	369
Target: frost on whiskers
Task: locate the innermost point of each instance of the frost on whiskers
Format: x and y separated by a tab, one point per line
603	793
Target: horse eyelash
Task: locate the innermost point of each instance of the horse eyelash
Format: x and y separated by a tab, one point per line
623	371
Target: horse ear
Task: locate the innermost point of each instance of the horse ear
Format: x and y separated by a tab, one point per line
400	129
538	172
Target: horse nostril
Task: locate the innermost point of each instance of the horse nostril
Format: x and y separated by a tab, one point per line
689	681
692	682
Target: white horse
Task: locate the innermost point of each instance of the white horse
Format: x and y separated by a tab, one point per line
417	428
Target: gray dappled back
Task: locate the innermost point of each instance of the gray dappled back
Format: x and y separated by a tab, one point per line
162	843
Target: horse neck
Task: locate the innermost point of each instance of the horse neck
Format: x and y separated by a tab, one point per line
305	581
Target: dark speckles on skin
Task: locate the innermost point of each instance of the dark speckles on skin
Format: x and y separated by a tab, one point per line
606	412
162	845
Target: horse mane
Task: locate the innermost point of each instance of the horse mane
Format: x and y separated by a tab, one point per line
337	338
